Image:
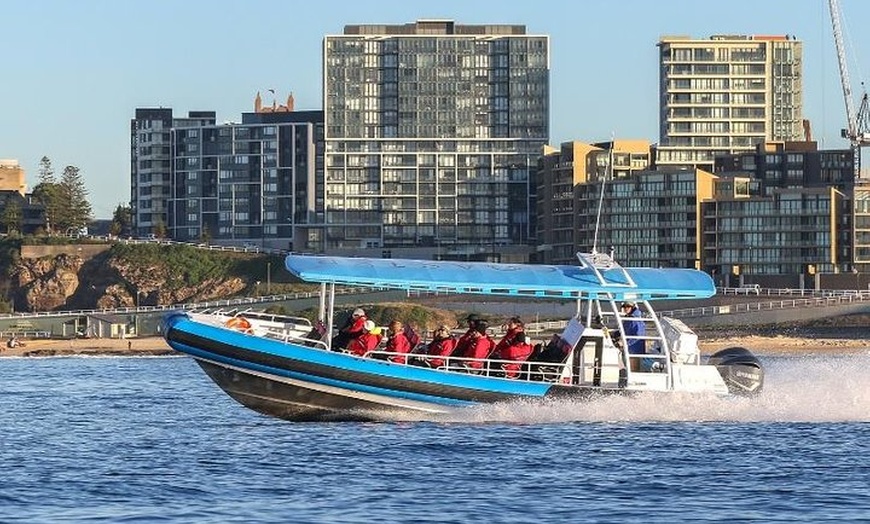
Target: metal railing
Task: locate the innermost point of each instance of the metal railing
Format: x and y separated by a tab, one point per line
822	299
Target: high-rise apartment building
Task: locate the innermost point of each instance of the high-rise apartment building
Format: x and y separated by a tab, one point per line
151	164
235	182
246	182
433	130
727	94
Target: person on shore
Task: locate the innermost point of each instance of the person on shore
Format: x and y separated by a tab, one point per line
353	328
515	346
366	342
397	343
442	345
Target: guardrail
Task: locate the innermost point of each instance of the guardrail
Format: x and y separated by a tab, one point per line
25	334
200	245
830	299
761	291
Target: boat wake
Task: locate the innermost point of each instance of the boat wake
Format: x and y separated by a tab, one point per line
809	389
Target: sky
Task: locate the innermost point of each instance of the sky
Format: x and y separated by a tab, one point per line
74	71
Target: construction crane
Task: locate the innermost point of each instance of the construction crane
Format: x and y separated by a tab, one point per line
857	129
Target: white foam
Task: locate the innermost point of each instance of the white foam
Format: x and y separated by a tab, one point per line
810	389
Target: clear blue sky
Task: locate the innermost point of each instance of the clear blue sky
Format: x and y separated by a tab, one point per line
74	71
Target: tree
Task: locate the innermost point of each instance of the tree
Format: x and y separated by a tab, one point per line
66	202
11	217
49	195
160	228
46	172
122	221
205	234
76	213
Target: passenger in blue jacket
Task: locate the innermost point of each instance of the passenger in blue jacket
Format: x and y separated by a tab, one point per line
633	328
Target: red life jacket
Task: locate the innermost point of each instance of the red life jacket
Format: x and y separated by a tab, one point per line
443	347
398	343
364	343
479	349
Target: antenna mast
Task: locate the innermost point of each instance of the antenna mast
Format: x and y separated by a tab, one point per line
608	167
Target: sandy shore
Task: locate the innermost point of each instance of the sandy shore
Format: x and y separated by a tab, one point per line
761	345
100	346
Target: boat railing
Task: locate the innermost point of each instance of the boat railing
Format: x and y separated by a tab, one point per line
489	367
271	317
645	362
289	337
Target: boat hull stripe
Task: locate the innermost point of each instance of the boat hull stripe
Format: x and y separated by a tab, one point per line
210	348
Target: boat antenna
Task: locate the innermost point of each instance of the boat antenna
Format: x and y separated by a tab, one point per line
608	167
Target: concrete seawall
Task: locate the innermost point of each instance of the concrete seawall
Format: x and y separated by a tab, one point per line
86	251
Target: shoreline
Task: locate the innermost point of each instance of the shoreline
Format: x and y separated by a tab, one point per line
779	345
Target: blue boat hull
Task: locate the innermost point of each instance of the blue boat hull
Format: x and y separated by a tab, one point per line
297	382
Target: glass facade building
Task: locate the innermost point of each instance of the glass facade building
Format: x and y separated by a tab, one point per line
432	134
249	182
648	219
151	164
793	231
229	183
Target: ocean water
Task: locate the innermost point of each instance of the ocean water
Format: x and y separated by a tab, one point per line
153	440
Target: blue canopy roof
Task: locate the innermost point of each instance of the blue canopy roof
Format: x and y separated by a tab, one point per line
486	278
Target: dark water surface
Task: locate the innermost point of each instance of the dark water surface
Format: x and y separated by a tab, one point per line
153	440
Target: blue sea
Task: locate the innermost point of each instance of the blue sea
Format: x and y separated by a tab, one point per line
153	440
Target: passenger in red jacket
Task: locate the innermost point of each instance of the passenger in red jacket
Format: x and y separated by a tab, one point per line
366	342
398	343
480	347
466	339
513	346
513	327
352	328
443	344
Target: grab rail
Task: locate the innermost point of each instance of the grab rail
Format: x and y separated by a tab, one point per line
528	369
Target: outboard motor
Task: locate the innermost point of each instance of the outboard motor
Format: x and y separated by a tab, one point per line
740	369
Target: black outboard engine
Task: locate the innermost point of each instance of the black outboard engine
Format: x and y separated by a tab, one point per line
740	369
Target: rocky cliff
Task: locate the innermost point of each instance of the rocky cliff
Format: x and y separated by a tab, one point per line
112	279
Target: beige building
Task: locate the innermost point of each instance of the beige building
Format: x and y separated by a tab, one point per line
790	231
12	176
561	230
861	231
726	94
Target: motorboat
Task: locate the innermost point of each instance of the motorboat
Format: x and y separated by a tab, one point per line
288	368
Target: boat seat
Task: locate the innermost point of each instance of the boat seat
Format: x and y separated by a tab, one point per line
317	334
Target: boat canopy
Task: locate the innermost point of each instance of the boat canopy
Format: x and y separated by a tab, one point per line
550	281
